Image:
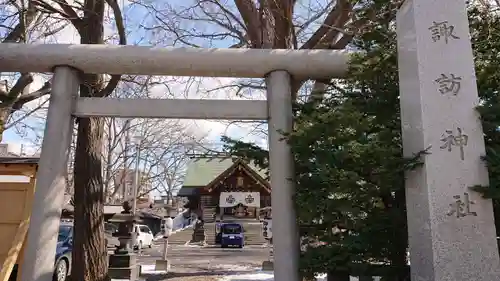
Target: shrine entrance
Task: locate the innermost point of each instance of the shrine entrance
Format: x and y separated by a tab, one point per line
239	205
433	45
240	211
225	187
67	62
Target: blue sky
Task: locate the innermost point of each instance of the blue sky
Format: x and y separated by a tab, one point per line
11	136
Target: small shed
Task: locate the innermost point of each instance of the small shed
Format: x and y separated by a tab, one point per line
17	187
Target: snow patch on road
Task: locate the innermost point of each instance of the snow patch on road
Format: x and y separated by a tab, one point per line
150	269
234	267
195	244
261	276
245	273
267	276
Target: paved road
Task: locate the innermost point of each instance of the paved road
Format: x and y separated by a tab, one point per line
204	262
206	257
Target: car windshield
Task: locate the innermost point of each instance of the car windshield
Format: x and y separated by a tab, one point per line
64	232
231	229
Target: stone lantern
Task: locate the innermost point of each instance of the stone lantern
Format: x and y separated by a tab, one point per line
123	262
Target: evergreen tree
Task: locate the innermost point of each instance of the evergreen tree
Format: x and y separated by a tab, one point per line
348	157
485	33
350	169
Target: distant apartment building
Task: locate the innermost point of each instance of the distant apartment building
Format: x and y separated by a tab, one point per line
6	151
125	181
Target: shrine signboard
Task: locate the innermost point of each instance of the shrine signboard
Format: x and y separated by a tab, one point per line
231	199
451	227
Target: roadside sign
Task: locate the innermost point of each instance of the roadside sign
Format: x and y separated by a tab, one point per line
167	226
267	228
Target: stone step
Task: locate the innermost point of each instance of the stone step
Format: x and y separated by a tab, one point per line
249	240
208	214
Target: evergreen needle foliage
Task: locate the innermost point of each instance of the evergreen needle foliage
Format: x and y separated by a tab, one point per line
485	33
349	165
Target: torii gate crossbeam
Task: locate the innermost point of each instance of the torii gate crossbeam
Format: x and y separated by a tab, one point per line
66	61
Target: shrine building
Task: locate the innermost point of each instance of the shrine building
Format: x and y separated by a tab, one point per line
225	189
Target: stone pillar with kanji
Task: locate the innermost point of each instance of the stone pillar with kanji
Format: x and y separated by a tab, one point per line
451	227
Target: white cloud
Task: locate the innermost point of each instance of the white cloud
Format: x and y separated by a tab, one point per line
255	133
212	129
212	88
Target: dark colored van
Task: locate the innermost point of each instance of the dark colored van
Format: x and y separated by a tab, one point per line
232	234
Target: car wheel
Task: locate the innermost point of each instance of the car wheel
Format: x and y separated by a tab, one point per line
61	270
150	245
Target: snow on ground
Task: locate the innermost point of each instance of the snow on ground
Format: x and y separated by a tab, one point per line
179	223
146	269
188	244
234	267
246	273
159	236
150	269
259	276
181	220
269	276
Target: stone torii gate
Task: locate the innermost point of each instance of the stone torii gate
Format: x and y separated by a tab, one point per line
66	61
451	229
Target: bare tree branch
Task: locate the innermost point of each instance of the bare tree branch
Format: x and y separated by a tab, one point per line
250	16
337	18
115	79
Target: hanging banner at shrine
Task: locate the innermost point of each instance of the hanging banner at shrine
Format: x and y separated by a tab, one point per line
231	199
251	199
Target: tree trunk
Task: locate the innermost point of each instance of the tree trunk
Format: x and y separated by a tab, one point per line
4	117
89	251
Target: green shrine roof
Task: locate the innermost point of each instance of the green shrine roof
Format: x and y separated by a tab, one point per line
201	171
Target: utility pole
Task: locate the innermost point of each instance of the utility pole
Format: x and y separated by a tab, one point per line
124	176
137	174
135	189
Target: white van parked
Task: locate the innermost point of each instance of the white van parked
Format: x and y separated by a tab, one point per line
144	236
